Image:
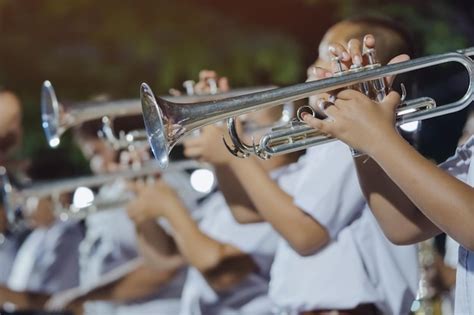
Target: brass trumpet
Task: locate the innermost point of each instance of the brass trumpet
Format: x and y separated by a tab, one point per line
167	122
57	117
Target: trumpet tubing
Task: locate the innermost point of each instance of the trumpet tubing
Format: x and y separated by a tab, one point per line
167	122
57	118
15	199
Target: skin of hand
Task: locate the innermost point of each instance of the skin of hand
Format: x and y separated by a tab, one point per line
358	121
213	259
208	146
152	201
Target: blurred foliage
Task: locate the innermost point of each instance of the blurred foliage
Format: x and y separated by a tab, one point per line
87	47
436	25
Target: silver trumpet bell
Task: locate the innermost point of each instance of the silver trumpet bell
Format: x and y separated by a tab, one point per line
166	122
57	117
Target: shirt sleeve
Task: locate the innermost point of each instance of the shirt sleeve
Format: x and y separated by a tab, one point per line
328	189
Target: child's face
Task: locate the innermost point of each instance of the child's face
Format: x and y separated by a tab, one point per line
10	122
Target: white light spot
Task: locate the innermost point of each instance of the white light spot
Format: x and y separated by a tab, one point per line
411	126
202	180
83	197
53	143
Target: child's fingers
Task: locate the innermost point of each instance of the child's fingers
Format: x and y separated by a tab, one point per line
339	53
348	94
355	51
369	41
316	123
392	100
192	152
191	142
317	73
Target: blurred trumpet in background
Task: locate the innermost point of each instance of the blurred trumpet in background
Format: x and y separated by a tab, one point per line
74	198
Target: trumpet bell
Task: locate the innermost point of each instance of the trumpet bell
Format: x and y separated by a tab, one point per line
153	119
50	114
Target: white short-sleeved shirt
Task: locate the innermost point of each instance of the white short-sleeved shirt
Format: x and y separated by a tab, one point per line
461	167
111	242
393	270
8	249
48	259
324	184
250	296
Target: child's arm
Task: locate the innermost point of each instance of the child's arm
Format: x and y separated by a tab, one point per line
215	260
209	146
368	127
254	184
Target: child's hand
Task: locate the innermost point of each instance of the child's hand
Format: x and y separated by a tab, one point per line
208	146
358	121
152	201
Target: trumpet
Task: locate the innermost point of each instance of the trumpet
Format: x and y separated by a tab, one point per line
167	122
57	117
16	199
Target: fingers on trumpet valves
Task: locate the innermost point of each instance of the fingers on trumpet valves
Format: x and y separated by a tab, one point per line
340	58
303	111
369	49
318	110
316	73
355	51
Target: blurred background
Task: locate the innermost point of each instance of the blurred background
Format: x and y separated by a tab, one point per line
89	47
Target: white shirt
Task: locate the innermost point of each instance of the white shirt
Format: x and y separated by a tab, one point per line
8	250
250	296
324	184
393	270
110	243
47	261
461	167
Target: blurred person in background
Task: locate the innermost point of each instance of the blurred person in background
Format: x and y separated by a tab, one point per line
47	261
228	262
113	277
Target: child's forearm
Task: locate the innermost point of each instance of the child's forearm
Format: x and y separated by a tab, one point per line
398	217
302	232
446	201
236	197
23	300
215	260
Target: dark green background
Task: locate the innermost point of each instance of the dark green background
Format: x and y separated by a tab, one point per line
88	47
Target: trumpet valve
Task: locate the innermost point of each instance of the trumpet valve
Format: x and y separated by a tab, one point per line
339	68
